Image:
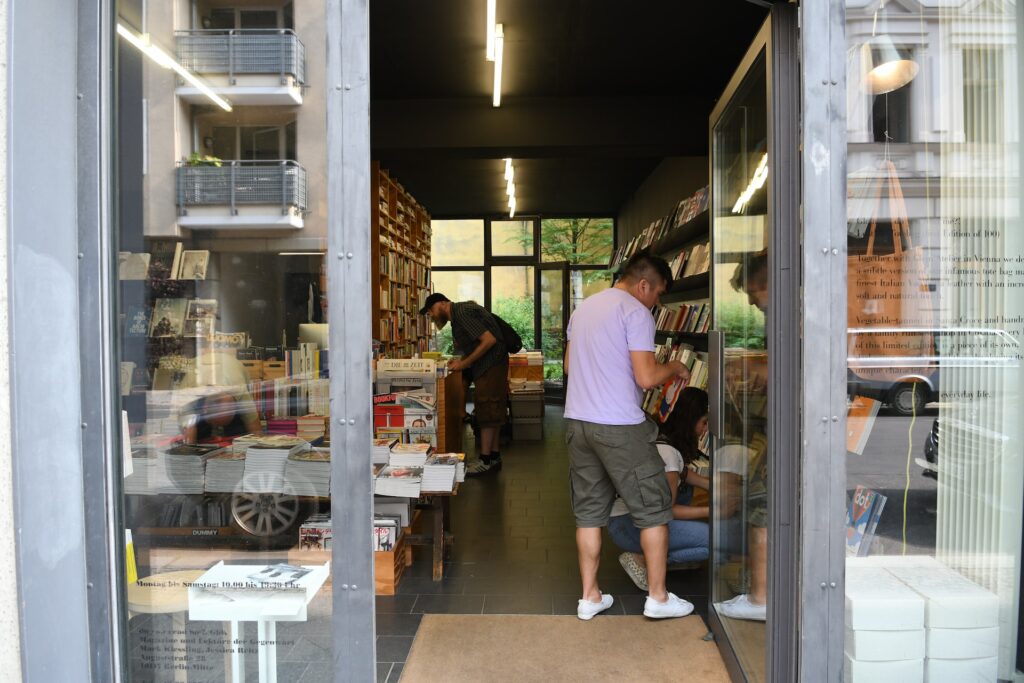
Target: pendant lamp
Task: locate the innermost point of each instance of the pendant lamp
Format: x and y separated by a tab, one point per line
889	68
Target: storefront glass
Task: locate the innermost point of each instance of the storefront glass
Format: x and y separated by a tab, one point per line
935	324
223	345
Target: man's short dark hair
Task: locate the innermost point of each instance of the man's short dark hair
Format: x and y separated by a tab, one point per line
752	269
644	266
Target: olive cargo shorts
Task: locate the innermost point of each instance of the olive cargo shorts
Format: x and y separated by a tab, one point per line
609	459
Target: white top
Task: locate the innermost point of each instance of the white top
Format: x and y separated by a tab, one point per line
673	463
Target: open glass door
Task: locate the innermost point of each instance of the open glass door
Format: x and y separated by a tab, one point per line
751	347
552	318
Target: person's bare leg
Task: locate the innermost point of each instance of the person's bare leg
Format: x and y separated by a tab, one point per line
758	565
488	439
654	542
588	547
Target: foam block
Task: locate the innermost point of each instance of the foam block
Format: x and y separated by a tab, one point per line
908	671
951	600
963	643
885	646
961	670
878	601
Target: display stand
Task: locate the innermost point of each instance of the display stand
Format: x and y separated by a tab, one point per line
441	528
451	402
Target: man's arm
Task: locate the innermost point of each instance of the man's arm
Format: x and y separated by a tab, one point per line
487	340
649	373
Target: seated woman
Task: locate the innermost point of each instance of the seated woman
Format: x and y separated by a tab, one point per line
688	531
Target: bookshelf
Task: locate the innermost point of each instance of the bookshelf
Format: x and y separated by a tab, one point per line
400	245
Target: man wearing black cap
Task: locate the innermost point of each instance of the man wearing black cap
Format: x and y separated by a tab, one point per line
478	338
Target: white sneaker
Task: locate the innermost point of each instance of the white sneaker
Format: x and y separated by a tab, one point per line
476	468
633	569
673	607
586	610
742	607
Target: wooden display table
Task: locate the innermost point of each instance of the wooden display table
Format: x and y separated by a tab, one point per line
441	533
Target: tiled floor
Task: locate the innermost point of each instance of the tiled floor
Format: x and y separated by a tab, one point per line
514	553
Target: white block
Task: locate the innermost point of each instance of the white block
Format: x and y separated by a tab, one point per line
885	646
952	601
963	643
961	670
878	601
909	671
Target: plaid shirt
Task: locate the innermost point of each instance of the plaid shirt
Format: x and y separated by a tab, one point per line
469	321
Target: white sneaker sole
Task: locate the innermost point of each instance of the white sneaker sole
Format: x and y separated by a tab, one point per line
587	616
687	611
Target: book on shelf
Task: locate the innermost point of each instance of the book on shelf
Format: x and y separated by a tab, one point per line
385	534
132	266
162	259
862	517
168	318
193	264
136	322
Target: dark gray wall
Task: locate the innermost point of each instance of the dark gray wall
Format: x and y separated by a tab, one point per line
672	180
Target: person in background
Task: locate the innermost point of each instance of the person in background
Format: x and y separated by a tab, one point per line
221	414
478	338
678	447
609	363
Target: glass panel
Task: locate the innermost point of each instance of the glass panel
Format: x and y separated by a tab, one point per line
222	351
512	238
512	299
740	229
935	322
583	283
457	285
457	243
552	322
582	241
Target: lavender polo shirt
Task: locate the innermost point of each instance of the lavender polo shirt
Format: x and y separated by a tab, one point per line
602	331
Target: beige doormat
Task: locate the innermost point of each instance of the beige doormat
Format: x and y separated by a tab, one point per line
473	647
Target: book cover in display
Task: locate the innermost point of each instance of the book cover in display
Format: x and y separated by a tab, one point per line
861	520
136	323
168	318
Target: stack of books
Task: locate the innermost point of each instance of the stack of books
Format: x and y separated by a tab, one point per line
309	472
403	482
316	533
311	427
439	472
149	473
186	466
525	386
699	260
380	451
410	454
224	470
385	533
265	463
694	316
281	425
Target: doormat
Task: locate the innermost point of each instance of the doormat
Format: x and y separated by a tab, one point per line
474	647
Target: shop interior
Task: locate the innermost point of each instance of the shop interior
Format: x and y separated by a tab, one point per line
519	182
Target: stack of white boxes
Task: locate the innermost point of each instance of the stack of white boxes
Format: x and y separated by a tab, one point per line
912	618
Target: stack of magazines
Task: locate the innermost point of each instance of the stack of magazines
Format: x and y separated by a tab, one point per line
440	472
224	470
403	482
186	466
309	472
410	454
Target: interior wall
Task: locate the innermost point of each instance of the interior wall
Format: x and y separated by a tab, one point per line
675	178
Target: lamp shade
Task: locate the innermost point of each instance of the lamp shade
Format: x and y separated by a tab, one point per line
889	68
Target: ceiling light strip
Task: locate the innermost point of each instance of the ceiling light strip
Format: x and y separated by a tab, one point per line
143	43
756	183
492	11
499	49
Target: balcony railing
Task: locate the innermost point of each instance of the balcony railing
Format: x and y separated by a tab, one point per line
241	183
242	52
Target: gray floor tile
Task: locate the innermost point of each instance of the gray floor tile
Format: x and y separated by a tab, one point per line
449	604
393	648
398	624
394	603
318	672
517	604
383	671
396	672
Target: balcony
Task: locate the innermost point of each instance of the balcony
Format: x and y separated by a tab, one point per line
269	195
244	66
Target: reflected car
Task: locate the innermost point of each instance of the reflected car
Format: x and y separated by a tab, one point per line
902	366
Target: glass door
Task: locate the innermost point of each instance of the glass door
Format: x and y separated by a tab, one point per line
552	318
753	228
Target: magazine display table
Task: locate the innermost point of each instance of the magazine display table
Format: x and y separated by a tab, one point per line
441	534
231	593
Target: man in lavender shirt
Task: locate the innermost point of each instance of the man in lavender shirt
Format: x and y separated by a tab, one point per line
609	362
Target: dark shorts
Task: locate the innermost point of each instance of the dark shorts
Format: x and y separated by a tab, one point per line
490	400
623	459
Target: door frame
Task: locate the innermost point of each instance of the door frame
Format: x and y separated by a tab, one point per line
777	39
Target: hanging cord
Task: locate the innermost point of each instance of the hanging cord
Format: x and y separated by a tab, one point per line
910	452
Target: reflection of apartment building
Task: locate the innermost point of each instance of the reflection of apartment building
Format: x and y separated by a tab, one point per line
241	153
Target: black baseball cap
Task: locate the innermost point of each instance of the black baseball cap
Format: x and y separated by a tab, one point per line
431	300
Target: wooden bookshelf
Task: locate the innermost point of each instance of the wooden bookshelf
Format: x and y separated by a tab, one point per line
400	245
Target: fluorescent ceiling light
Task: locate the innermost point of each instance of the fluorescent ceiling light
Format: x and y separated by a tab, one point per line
756	183
301	253
492	11
499	49
509	171
510	189
143	43
511	207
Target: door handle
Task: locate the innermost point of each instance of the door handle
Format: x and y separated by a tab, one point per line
715	357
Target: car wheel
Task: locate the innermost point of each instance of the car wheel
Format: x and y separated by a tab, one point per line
264	507
905	400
